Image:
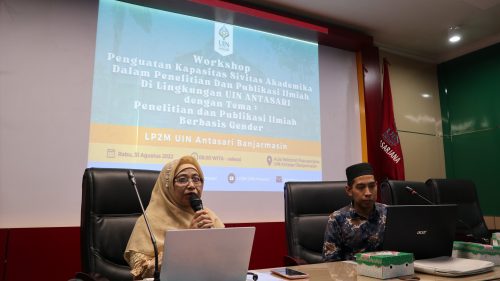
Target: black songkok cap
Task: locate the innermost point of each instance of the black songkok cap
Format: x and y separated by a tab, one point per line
358	170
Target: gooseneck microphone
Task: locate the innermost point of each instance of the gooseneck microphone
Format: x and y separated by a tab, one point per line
156	274
195	202
413	192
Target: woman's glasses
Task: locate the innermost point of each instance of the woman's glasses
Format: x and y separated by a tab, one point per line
184	181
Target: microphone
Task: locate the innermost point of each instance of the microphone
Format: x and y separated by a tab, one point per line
195	202
467	226
156	273
413	192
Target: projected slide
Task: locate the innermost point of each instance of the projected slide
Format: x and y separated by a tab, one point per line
244	102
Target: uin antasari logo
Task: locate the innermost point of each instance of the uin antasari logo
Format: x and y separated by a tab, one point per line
390	137
223	32
223	39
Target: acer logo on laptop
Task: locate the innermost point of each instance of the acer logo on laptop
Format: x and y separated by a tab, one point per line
421	232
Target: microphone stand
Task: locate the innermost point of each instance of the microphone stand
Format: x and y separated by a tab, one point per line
156	274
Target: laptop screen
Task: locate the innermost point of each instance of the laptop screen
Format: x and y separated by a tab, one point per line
221	254
427	231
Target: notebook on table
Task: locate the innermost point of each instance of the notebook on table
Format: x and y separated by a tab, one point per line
218	254
428	232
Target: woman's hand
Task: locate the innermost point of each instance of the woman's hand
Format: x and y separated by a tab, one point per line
201	219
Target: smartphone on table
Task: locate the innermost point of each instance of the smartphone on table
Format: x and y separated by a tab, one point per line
289	273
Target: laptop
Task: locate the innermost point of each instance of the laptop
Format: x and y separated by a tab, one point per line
215	254
428	232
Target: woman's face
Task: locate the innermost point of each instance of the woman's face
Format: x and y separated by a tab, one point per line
186	182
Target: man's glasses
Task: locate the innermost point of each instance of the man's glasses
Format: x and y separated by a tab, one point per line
183	181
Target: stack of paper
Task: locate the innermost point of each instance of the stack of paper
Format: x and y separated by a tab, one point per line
448	266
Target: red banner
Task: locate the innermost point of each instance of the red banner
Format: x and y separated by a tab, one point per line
391	160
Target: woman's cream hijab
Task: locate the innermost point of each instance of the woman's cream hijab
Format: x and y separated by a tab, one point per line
163	212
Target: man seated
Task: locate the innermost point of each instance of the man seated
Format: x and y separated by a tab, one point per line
359	226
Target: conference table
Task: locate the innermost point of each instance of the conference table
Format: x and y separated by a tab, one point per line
346	271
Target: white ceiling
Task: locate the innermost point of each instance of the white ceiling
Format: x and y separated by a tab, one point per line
415	28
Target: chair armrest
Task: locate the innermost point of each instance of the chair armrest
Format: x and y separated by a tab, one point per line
82	276
291	261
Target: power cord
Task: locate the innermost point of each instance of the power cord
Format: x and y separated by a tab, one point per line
255	277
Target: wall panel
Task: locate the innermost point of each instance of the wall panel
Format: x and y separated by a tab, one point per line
43	253
418	119
423	155
4	234
470	97
53	253
475	157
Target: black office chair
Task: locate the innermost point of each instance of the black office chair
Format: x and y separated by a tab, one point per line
393	192
470	221
307	207
109	211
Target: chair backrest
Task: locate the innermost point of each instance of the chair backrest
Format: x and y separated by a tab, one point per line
109	211
470	224
393	192
307	207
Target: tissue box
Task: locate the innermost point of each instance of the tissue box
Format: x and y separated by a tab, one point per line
385	264
476	251
495	239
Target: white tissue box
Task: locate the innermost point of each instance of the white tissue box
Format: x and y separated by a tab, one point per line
476	251
385	264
